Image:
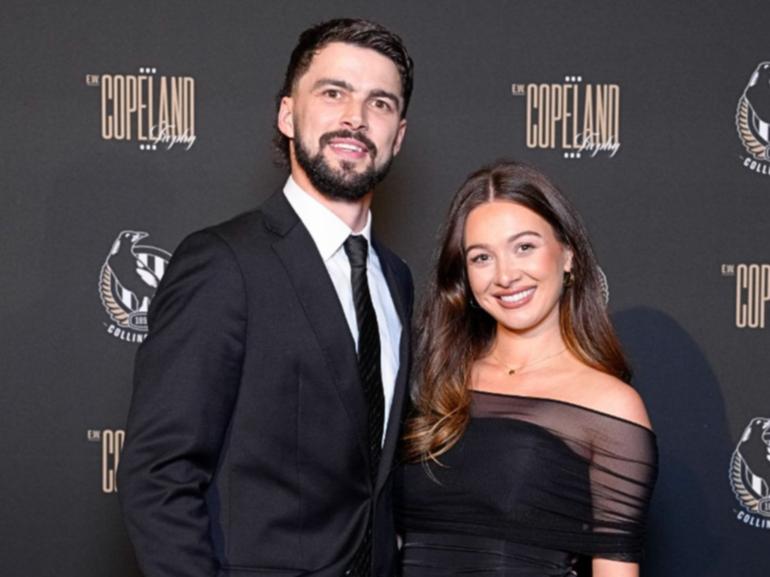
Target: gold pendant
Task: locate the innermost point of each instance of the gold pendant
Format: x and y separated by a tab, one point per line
511	372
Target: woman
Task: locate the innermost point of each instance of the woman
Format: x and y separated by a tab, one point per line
527	450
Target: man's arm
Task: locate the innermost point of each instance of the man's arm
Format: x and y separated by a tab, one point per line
186	380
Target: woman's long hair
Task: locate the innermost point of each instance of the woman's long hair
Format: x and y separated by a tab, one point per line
455	332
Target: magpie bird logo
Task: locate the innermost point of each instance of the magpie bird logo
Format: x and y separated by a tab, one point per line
604	285
750	468
753	115
128	280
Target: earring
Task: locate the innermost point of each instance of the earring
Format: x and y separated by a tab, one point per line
568	279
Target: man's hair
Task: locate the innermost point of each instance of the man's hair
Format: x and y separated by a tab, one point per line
358	32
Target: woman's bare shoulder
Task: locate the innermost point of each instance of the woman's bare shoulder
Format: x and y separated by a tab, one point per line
608	394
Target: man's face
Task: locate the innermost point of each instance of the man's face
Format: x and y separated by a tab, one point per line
343	120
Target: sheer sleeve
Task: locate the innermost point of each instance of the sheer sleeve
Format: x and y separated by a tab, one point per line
623	472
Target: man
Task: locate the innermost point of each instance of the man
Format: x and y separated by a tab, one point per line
269	393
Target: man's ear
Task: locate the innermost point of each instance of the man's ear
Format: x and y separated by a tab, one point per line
399	136
286	117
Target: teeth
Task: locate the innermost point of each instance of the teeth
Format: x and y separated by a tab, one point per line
351	147
516	297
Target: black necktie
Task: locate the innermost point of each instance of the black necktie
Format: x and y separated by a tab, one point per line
356	248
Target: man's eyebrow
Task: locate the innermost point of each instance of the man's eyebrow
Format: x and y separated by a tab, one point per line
376	93
332	82
379	93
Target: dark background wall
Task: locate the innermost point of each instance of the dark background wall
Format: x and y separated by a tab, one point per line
677	214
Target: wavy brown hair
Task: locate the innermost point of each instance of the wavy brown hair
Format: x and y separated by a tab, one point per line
454	334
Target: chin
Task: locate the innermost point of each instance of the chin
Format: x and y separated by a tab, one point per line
528	323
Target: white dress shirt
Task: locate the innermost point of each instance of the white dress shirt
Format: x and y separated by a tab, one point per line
329	233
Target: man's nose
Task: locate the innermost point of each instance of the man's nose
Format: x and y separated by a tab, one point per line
354	116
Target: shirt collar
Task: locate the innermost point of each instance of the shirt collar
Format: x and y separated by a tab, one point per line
327	230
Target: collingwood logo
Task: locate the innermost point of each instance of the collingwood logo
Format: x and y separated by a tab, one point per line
604	285
752	118
111	441
752	293
750	474
578	118
152	110
129	276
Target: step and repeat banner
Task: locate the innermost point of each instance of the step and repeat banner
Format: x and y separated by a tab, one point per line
124	126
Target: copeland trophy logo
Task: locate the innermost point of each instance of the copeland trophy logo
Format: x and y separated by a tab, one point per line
576	118
156	111
129	276
111	441
750	474
752	293
752	120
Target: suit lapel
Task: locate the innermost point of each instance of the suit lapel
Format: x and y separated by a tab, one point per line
396	409
319	300
321	305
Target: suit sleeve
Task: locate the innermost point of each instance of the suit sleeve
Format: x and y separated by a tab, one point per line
186	381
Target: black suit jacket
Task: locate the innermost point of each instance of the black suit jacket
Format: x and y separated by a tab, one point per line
245	450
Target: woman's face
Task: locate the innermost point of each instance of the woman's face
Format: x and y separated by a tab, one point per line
515	266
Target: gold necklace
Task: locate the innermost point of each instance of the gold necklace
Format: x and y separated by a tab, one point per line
513	371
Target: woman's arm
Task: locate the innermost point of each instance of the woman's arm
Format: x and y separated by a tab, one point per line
610	568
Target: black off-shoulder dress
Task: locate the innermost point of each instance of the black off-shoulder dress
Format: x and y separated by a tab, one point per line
532	485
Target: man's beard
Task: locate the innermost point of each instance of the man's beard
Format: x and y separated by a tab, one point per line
344	183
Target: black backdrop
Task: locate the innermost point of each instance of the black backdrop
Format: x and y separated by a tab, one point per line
672	182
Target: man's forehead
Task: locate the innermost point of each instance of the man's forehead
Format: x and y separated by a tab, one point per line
345	59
